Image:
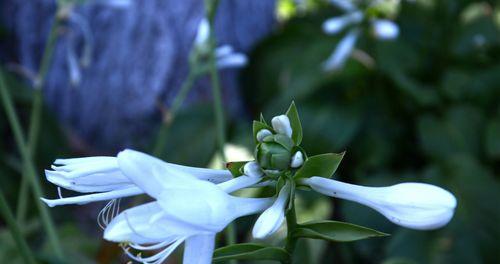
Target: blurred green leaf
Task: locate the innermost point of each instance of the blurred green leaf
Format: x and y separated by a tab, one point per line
493	139
335	231
235	167
250	251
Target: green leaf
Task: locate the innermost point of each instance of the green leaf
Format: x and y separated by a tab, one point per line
262	119
235	167
249	251
257	126
323	165
335	231
293	115
493	139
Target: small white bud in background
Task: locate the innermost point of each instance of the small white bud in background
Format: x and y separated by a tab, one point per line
385	29
262	134
336	24
252	169
203	32
297	160
281	125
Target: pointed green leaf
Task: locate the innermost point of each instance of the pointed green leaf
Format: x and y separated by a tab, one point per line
293	115
262	119
257	126
323	165
335	231
248	251
235	167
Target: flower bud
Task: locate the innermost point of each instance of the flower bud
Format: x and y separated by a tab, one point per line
281	125
297	160
262	134
252	169
385	29
274	152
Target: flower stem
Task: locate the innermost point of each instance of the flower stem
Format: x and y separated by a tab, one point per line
15	231
291	224
161	139
30	167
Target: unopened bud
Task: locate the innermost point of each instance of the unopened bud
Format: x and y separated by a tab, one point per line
252	169
262	134
281	124
297	160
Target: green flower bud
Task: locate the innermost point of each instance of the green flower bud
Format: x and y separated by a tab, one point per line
274	153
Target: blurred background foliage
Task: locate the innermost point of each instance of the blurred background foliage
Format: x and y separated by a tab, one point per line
424	107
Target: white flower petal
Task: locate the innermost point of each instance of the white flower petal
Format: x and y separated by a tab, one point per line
238	183
336	24
281	124
223	50
199	249
133	225
342	51
252	169
203	32
412	205
272	218
385	29
89	198
234	60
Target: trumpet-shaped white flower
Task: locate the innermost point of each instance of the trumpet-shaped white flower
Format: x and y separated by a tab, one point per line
271	219
186	209
383	29
412	205
281	124
106	180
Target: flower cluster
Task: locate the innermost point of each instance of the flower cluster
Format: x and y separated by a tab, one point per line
192	205
382	29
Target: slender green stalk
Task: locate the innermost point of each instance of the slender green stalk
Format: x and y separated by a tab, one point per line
15	231
22	199
291	224
161	139
30	168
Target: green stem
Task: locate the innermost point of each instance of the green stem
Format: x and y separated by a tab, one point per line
161	139
291	223
30	167
22	199
15	231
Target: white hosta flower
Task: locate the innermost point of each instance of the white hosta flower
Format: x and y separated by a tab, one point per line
297	160
262	134
336	24
253	169
227	58
342	51
185	209
281	124
105	179
385	29
272	218
412	205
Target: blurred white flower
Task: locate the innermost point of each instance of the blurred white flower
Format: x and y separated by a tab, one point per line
412	205
385	29
272	218
382	29
281	124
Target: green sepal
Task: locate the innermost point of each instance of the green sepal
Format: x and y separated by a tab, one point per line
257	126
284	141
335	231
323	165
293	116
250	251
236	167
262	119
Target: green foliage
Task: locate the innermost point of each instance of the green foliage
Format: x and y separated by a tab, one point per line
335	231
323	165
293	115
236	167
250	251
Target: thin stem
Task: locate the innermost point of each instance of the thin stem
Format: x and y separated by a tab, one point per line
15	231
161	139
22	199
291	223
30	167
